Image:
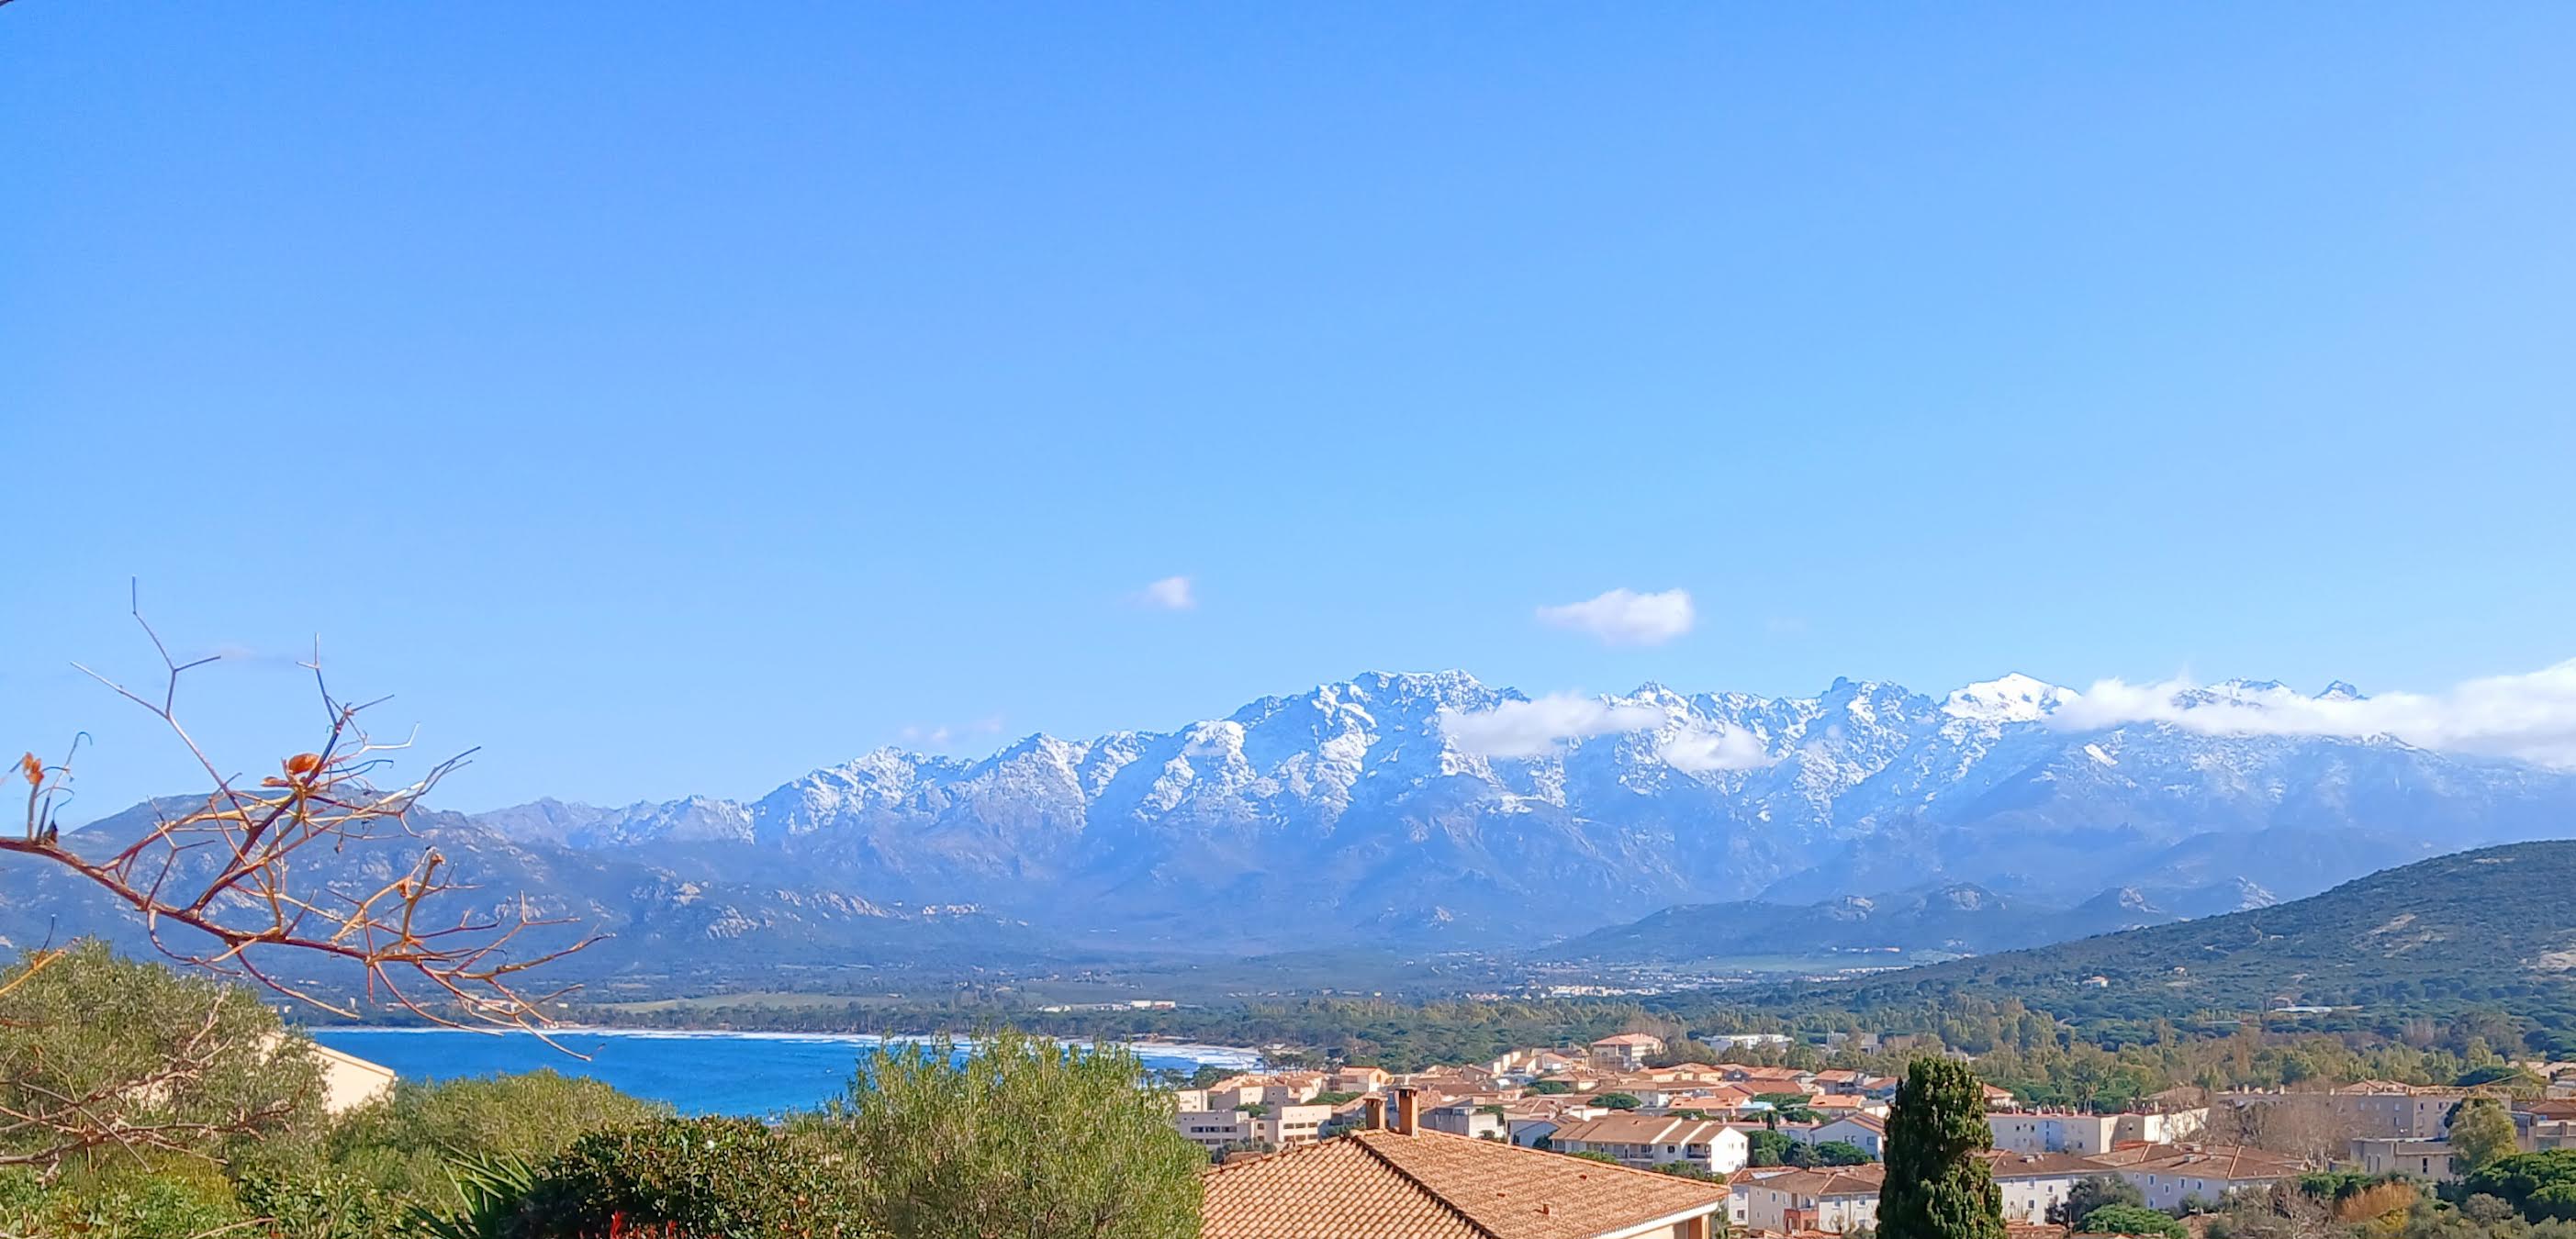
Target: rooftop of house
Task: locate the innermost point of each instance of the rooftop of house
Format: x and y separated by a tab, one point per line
1382	1184
2041	1165
1828	1181
1640	1129
2216	1161
1636	1039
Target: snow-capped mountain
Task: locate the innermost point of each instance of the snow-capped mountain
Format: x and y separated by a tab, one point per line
1405	802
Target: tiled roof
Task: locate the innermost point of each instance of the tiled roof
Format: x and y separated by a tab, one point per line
1640	1129
1837	1181
1431	1185
2035	1165
2213	1161
1631	1039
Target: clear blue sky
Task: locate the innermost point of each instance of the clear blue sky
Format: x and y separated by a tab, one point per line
673	398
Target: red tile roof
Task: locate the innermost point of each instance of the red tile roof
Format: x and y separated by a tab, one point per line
1431	1185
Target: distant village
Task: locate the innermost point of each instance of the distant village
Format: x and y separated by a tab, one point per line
1769	1151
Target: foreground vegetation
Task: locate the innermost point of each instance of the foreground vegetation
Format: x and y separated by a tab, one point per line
1019	1137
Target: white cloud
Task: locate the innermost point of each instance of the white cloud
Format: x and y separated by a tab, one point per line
2530	716
1626	617
1726	747
1172	593
1535	728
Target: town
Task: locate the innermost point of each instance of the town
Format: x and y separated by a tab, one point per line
1788	1153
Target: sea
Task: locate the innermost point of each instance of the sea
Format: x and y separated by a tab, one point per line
760	1075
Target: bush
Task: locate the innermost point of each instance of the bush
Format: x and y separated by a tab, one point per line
404	1145
2132	1220
1619	1101
158	1198
710	1178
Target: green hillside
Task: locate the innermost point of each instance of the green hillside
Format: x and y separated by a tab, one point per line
2489	929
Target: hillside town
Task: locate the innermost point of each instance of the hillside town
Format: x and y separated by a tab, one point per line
1772	1151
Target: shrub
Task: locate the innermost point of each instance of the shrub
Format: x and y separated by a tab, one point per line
709	1178
2132	1220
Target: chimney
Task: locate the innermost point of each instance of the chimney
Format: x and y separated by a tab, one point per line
1373	1113
1408	1108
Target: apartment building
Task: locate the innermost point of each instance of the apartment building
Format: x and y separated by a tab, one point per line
1625	1052
2170	1174
2060	1131
1278	1127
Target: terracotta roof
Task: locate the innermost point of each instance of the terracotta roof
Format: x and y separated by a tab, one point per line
1631	1039
1834	1181
2034	1165
2215	1161
1432	1185
1640	1129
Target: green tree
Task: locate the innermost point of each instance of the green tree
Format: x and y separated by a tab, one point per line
1770	1148
101	1055
2132	1220
1787	1107
2482	1134
1841	1153
1937	1187
1618	1101
2541	1185
1550	1088
2093	1193
1022	1137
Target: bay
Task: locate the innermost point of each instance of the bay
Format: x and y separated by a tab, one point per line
756	1074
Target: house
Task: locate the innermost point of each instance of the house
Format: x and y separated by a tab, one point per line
2169	1174
349	1081
1397	1181
1357	1080
1466	1119
1738	1201
1866	1132
1625	1052
2423	1159
1655	1140
2034	1183
1834	1200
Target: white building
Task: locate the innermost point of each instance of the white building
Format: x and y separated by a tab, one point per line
1646	1140
1839	1199
2059	1131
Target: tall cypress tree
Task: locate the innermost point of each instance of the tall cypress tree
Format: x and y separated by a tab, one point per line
1937	1187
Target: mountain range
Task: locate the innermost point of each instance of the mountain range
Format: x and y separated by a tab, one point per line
1404	808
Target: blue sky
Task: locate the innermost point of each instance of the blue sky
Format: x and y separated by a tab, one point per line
673	404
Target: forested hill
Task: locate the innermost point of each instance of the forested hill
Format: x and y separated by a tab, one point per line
2494	927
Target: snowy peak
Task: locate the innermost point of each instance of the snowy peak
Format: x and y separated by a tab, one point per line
2015	698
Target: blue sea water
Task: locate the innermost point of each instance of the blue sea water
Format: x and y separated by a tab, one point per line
758	1074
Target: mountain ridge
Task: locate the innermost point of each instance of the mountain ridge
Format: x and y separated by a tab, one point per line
1422	802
